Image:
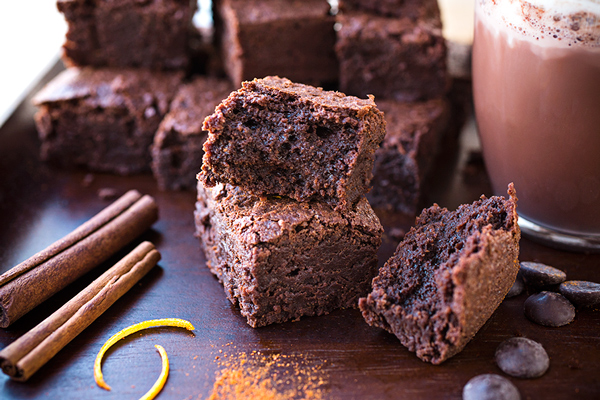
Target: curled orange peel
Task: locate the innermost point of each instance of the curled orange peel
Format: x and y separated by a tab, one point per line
162	378
174	322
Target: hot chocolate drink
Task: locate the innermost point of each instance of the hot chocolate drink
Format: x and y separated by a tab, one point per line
536	82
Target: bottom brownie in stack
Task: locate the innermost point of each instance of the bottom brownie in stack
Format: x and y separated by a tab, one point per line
280	259
447	277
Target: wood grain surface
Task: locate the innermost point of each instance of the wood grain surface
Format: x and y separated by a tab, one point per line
40	204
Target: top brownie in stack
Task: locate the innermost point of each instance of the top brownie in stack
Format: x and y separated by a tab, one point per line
177	148
127	33
275	137
103	119
291	38
447	277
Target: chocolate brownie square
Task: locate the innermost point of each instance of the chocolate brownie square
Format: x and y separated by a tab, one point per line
127	33
279	259
391	58
414	131
275	137
291	38
413	9
103	119
177	148
447	276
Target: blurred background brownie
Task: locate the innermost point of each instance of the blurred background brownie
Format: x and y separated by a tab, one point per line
413	9
414	131
177	148
391	58
127	33
279	259
290	38
276	137
103	119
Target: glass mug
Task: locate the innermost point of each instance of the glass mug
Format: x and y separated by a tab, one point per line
536	88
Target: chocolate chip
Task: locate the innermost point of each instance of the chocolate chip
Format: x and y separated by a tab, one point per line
582	293
540	275
490	387
549	309
522	358
517	287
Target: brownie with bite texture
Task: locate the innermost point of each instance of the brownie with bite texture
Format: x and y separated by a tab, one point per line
391	58
279	259
447	276
276	137
413	9
414	132
291	38
177	147
127	33
103	119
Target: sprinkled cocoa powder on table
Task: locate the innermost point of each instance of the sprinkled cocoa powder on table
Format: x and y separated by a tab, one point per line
256	375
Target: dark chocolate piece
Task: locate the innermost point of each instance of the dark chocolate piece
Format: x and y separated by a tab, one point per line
103	119
414	131
517	287
522	358
293	39
447	277
279	259
177	148
581	293
275	137
549	309
127	33
540	275
490	387
391	58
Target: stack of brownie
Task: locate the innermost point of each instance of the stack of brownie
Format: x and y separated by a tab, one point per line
394	49
128	65
281	210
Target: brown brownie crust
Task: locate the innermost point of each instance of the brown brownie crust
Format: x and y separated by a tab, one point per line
177	147
103	119
447	277
414	132
413	9
275	137
279	259
391	58
127	33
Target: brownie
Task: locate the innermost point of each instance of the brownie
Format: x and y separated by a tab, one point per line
279	259
177	148
127	33
447	276
103	119
391	58
413	9
275	137
291	38
414	131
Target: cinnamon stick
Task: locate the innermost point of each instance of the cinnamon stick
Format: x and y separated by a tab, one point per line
31	351
42	275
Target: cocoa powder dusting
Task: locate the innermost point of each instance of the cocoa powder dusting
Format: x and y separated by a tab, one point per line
256	375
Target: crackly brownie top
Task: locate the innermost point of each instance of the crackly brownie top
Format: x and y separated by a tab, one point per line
265	220
134	89
405	120
193	102
264	11
368	26
315	95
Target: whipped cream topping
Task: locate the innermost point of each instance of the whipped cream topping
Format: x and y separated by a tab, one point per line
549	22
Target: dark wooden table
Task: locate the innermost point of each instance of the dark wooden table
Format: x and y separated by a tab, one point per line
39	204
